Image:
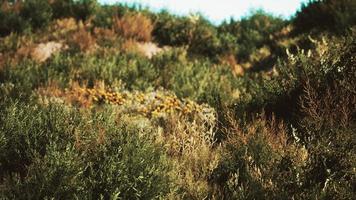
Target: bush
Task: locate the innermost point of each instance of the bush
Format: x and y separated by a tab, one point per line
10	20
321	111
31	14
252	32
173	31
327	121
57	152
79	9
197	79
195	32
37	12
259	162
331	15
134	26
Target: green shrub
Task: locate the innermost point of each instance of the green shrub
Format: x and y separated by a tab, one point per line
104	16
196	79
252	32
79	9
331	15
37	12
59	152
259	162
320	102
327	121
11	22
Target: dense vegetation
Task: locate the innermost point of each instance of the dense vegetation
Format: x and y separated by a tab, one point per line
118	102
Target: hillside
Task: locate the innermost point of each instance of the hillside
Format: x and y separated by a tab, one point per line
118	102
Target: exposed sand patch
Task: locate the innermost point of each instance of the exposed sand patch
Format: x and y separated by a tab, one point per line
43	51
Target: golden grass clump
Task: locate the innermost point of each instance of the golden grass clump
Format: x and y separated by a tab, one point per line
83	40
7	7
189	141
65	25
26	46
230	60
146	49
104	34
131	46
73	96
134	26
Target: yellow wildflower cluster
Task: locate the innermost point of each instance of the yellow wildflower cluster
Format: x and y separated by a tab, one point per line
100	95
155	103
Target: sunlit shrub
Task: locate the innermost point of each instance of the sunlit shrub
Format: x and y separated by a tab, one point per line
134	26
259	162
319	98
104	36
252	32
173	31
57	152
83	40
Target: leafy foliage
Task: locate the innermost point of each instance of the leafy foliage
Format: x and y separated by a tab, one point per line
57	152
333	15
118	102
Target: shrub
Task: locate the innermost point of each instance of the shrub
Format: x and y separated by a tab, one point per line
134	26
173	31
57	152
321	111
204	40
195	32
252	32
10	20
259	162
332	15
22	15
37	12
81	9
197	79
104	16
83	40
327	121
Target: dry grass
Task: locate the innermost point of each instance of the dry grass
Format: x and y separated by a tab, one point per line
7	7
332	107
273	131
65	25
231	61
190	144
83	40
134	26
72	96
131	46
104	35
37	52
26	46
258	146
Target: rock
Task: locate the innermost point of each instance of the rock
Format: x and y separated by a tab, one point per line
149	49
43	51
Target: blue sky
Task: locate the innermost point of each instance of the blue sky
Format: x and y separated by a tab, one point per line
218	10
